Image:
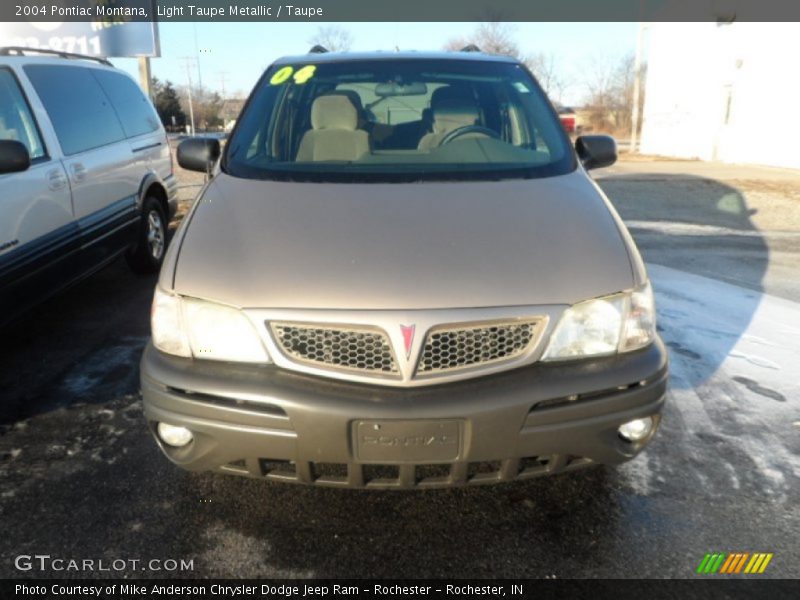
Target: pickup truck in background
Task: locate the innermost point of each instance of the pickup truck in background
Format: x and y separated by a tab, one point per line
568	118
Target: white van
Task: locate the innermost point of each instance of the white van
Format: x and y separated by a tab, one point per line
85	174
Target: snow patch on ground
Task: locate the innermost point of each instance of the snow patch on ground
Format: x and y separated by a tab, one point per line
638	474
91	374
734	385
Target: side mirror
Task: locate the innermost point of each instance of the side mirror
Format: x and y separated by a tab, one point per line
596	151
14	157
198	154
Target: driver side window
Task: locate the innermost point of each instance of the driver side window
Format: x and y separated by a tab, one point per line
16	120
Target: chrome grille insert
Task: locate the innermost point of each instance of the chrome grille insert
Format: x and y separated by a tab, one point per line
463	346
338	347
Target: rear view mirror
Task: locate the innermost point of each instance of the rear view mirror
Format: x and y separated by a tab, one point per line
198	154
596	151
14	157
417	88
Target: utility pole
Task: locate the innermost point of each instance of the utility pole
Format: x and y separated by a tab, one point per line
223	77
146	76
197	53
637	76
187	60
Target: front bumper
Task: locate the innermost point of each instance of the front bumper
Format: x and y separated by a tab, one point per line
261	421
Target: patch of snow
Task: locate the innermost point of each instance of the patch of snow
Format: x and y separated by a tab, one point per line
638	475
733	376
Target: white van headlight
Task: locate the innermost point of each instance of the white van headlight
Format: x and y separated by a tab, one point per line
200	329
604	326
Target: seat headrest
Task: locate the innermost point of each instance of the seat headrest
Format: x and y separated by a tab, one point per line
334	112
453	113
351	94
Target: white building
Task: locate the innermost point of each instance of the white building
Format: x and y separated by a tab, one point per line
728	92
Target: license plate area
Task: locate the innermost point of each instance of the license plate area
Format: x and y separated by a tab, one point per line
407	441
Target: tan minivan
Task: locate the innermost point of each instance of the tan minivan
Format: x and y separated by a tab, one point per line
400	275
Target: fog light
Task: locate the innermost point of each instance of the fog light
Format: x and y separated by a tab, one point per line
636	430
173	435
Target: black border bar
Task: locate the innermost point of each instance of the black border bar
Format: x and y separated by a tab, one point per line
707	588
113	11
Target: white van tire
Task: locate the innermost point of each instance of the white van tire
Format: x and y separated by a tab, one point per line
148	254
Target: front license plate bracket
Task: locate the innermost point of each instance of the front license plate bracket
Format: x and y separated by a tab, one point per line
407	441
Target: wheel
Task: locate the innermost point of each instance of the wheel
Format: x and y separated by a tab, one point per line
151	243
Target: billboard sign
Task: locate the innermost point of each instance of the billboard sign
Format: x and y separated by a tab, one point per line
95	38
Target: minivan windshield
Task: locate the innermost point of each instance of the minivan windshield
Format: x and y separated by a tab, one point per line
398	119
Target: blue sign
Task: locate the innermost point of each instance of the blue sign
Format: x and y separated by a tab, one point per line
95	38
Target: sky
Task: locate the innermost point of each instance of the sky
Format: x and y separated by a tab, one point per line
239	52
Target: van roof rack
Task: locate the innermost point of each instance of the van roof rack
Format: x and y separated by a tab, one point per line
318	49
22	51
470	48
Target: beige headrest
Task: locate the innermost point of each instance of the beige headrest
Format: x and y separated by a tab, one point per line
334	112
453	113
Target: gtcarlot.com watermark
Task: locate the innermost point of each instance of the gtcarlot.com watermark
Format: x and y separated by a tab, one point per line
46	562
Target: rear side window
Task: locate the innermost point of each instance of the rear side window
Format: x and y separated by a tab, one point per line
134	109
81	113
16	120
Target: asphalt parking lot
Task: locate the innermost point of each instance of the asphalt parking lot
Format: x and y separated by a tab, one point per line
80	477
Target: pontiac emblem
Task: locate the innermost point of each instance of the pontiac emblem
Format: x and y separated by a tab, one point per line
408	337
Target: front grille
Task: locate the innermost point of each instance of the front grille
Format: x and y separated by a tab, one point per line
350	348
394	476
460	347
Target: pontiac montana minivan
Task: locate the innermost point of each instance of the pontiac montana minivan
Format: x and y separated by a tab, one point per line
400	275
85	174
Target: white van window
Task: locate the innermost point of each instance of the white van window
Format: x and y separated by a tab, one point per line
133	108
16	121
81	113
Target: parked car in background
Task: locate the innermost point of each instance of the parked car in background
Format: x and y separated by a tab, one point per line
568	118
400	275
85	174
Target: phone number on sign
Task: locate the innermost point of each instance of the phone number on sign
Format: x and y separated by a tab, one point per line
66	43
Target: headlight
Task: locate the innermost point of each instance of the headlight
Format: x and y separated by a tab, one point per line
166	324
604	326
189	327
640	322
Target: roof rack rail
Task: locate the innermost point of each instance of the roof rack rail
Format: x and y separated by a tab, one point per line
21	51
318	49
470	48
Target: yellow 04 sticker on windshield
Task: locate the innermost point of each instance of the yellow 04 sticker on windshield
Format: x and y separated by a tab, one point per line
301	76
304	74
281	75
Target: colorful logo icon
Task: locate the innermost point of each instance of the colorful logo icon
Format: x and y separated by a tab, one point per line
720	563
408	337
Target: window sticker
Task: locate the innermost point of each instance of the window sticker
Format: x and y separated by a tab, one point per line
304	74
300	77
281	76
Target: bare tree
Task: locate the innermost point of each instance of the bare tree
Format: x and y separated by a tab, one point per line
495	37
333	37
550	76
609	97
492	37
207	107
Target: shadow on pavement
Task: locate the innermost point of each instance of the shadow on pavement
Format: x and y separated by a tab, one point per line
699	226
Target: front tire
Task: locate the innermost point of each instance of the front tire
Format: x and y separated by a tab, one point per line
151	243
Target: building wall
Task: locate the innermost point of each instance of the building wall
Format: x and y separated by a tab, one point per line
724	92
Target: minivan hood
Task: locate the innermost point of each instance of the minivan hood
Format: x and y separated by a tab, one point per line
267	244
